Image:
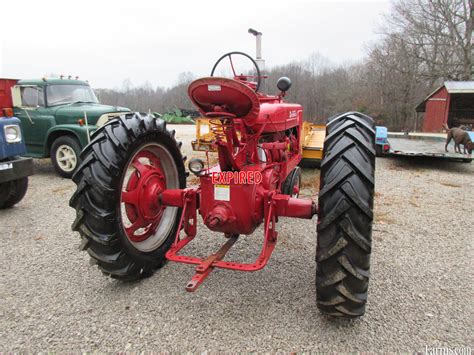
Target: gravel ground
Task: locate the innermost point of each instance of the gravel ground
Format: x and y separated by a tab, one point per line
421	291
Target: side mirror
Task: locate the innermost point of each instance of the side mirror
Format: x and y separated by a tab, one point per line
284	84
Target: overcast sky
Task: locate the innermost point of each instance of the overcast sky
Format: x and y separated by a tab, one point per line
109	41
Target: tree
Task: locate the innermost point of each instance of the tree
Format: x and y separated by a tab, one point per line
437	33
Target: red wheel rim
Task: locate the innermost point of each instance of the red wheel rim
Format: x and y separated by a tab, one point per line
296	187
141	196
146	223
296	191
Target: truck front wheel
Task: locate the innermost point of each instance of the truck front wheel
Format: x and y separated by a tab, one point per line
65	152
12	192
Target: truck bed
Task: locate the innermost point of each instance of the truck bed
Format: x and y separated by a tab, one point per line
424	145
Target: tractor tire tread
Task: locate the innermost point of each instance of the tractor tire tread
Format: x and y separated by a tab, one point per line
345	215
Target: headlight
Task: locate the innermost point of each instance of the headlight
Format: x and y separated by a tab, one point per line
12	133
196	165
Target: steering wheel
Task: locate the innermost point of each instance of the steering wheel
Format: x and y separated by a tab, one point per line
239	77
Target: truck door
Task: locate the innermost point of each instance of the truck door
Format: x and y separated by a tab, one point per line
29	107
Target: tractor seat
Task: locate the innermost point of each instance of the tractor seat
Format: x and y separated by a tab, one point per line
224	97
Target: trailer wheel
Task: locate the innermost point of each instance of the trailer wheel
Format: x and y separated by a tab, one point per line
378	150
64	153
12	192
345	213
123	227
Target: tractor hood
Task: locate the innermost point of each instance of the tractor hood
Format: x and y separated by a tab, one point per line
71	113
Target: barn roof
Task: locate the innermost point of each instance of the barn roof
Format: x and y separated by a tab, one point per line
459	87
453	87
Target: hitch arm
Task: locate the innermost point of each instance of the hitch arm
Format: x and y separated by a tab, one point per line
205	268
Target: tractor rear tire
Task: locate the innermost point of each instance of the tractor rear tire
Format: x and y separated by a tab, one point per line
345	214
99	198
12	192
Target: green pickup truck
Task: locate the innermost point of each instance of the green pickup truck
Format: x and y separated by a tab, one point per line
58	116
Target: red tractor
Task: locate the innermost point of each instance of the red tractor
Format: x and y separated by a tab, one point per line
134	211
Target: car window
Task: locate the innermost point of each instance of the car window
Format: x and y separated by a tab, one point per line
31	96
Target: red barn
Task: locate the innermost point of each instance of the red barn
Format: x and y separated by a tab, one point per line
452	103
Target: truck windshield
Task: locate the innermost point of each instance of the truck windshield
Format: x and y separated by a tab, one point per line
65	94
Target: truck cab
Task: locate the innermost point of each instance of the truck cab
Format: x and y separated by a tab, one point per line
58	116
